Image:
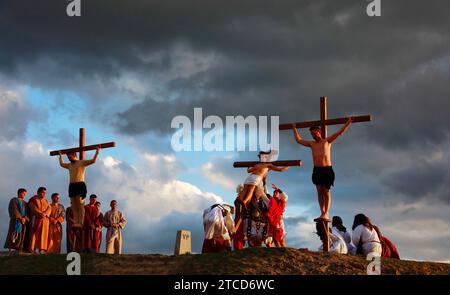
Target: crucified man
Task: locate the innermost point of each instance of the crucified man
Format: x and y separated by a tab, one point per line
77	186
323	174
253	184
255	179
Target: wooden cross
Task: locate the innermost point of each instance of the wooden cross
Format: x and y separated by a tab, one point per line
82	148
323	224
324	121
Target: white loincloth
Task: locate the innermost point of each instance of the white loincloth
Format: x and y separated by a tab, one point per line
253	179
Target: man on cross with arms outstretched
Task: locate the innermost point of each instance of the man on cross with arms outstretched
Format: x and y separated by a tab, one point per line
77	186
323	174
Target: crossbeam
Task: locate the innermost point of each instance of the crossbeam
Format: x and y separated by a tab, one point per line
337	121
247	164
324	121
84	148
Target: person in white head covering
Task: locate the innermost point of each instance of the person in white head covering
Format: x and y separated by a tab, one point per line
219	228
337	243
339	228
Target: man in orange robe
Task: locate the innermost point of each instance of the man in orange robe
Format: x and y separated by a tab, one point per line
41	210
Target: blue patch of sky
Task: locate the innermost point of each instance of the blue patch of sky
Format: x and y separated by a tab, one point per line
63	114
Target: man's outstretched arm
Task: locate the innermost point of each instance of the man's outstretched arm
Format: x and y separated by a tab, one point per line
298	138
94	159
278	169
61	162
341	131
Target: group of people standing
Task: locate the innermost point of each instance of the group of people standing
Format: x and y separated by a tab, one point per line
36	226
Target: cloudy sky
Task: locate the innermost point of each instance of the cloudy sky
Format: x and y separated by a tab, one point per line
124	69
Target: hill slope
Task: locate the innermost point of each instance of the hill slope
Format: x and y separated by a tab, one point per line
248	261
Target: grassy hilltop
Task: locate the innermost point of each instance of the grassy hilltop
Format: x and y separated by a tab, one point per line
248	261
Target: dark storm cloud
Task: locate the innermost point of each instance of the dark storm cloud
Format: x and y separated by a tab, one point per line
292	221
270	58
15	115
422	180
273	58
387	67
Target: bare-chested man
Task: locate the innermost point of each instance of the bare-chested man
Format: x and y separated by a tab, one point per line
254	180
323	174
77	186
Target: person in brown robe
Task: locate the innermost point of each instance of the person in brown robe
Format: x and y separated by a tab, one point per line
55	229
28	225
90	215
98	228
39	231
17	223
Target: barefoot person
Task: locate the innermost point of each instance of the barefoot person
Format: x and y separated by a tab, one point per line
255	179
77	187
323	174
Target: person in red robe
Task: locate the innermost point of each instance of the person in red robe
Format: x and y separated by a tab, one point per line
275	214
98	229
90	216
238	238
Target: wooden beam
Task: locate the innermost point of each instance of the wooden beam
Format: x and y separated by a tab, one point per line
83	149
323	116
337	121
82	142
276	163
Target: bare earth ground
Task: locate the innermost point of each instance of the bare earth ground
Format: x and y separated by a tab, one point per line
254	261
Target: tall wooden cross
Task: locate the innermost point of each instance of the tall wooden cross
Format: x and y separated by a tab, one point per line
82	147
324	121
